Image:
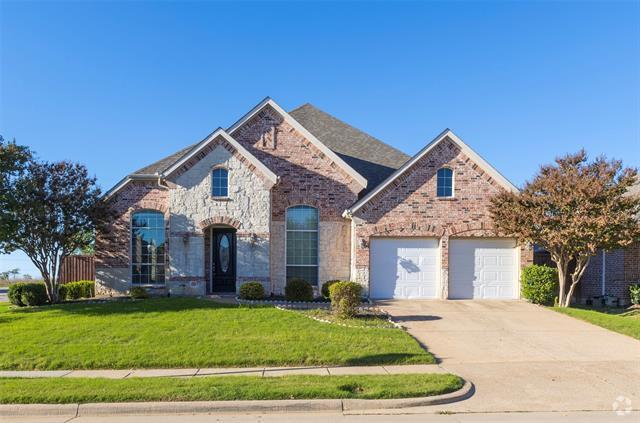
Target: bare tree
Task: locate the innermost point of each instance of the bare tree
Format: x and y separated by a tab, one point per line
572	208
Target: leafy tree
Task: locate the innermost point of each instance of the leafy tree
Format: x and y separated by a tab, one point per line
13	162
572	208
8	273
58	205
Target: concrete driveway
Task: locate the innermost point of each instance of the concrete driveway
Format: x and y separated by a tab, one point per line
522	357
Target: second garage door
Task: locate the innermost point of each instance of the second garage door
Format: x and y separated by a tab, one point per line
483	269
404	268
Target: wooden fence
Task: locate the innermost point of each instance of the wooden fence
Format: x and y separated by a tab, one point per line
77	268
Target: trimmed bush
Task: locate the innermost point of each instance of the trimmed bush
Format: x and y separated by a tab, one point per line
634	293
15	294
34	294
138	292
298	290
325	288
539	284
345	298
77	290
251	291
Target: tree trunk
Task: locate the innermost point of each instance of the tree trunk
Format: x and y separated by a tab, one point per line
581	265
562	264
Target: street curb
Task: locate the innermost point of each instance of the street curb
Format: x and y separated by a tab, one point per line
203	407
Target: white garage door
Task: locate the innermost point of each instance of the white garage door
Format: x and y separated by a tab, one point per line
483	269
404	268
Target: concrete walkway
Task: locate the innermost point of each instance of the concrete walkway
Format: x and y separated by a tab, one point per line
240	371
522	357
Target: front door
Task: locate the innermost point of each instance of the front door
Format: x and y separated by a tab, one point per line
223	260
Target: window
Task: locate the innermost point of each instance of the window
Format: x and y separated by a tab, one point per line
220	183
147	248
445	182
302	243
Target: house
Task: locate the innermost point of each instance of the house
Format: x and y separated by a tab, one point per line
609	273
302	194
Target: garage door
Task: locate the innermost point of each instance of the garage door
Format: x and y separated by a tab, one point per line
404	268
483	269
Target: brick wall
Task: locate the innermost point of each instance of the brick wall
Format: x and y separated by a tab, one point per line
620	265
409	207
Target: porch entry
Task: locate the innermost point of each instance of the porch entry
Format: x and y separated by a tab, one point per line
222	261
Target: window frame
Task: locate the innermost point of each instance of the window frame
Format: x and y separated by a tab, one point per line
438	182
213	178
286	237
164	252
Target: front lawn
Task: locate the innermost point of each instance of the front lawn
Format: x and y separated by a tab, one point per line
615	319
188	333
60	391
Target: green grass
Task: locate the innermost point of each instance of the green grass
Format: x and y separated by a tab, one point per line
59	391
186	333
615	319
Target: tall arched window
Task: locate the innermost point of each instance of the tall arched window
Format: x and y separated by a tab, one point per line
302	243
220	182
445	182
147	248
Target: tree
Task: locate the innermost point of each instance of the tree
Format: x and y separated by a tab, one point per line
58	205
572	208
6	275
13	162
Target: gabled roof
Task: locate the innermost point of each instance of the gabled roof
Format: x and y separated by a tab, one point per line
170	164
268	102
369	156
268	174
446	134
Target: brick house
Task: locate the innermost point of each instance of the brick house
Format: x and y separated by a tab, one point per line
302	194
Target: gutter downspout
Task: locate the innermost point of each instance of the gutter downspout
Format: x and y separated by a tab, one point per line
604	271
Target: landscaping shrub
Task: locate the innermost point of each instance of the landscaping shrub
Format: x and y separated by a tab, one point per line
298	290
138	292
77	290
345	298
15	294
34	294
539	284
325	288
251	291
634	293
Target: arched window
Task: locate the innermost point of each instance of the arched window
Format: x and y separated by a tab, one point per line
302	243
445	182
220	182
147	248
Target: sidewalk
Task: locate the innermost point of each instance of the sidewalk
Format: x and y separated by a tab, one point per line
238	371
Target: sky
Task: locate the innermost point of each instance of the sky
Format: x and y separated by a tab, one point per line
118	85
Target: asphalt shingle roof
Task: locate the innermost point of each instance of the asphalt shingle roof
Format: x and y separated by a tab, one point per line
368	156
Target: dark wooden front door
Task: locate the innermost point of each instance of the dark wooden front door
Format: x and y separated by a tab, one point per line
223	260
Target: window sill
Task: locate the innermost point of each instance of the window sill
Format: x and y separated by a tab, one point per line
446	199
214	198
146	285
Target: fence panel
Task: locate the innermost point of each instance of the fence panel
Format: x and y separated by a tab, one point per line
77	268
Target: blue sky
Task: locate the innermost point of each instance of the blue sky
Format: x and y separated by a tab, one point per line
117	85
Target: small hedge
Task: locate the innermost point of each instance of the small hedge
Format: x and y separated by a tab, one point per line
634	294
138	292
28	294
345	298
539	284
251	291
77	290
325	288
298	290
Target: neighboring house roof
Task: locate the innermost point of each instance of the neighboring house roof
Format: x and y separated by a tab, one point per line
634	190
369	156
446	134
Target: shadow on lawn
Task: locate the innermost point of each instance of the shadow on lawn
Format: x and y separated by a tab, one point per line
110	307
382	359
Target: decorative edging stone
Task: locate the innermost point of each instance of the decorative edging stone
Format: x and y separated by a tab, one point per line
204	407
296	305
317	319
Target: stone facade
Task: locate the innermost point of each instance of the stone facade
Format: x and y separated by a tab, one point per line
410	207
